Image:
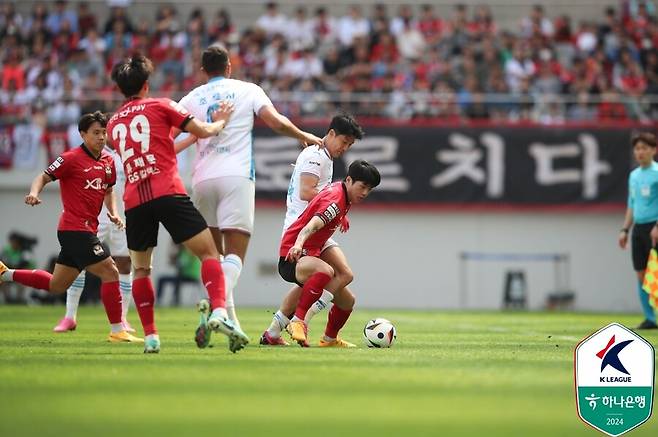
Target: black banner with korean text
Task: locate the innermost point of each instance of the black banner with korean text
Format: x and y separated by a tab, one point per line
524	166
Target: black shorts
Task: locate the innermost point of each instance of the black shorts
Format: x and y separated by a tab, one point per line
287	271
177	213
641	245
80	249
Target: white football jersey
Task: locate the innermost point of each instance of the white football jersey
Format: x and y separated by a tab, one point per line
231	152
312	160
118	187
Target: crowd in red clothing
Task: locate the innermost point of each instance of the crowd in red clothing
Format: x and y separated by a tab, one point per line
403	63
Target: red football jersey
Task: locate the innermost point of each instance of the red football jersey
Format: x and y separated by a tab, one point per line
331	205
83	182
140	130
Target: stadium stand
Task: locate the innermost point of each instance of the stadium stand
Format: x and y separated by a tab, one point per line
403	61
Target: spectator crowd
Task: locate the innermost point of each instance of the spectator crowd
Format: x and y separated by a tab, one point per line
401	61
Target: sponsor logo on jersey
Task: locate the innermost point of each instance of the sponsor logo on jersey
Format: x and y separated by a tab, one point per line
98	250
95	184
129	110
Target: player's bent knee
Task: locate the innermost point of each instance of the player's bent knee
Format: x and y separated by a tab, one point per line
327	270
346	277
56	286
141	272
110	273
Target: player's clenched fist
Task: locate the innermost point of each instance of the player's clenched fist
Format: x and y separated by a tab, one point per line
32	200
294	253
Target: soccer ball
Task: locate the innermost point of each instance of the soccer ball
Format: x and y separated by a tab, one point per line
379	333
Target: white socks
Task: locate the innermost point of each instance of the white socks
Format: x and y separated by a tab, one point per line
7	275
73	296
232	266
126	288
219	312
279	323
75	291
318	306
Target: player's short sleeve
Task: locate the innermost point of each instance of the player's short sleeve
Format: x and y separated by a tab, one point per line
177	115
187	102
311	164
259	98
59	167
631	193
113	179
327	206
329	212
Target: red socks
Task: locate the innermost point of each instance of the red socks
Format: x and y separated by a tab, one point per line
311	292
337	319
144	298
111	297
33	278
212	276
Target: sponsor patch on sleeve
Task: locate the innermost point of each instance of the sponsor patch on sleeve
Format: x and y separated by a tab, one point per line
330	213
55	165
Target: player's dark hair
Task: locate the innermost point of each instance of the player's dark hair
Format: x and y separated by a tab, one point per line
131	74
215	60
345	124
88	119
365	172
646	137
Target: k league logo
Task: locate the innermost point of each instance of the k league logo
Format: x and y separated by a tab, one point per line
610	356
614	371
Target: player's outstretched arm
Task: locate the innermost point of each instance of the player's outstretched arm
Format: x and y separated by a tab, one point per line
220	117
111	205
314	225
181	145
308	186
282	125
38	183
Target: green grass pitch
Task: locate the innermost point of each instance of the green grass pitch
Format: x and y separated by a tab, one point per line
449	374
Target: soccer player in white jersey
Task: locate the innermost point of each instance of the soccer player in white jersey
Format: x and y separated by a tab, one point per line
115	238
313	172
224	173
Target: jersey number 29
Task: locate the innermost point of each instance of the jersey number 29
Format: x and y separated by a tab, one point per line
140	132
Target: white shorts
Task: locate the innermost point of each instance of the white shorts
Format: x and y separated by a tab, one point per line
227	202
115	238
329	243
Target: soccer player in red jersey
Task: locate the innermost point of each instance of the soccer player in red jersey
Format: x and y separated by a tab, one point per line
313	173
86	175
302	243
141	131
